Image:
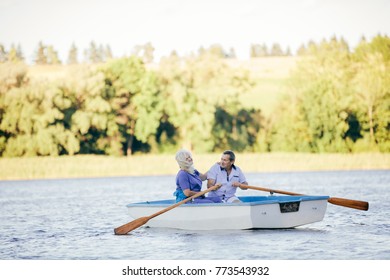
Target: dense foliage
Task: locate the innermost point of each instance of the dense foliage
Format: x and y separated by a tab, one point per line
338	101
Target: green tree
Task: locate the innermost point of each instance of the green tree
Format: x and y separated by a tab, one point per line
52	56
276	50
3	54
12	75
108	53
236	127
257	50
191	89
15	54
93	54
73	55
134	99
324	102
301	50
217	50
41	55
87	111
32	124
288	130
372	88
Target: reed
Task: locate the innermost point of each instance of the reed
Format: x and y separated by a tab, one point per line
150	165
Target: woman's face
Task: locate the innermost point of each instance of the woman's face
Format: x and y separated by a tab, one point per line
189	158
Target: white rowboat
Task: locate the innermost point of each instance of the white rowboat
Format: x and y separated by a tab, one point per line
254	212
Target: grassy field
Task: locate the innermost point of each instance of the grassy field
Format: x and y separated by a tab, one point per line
150	165
271	75
265	95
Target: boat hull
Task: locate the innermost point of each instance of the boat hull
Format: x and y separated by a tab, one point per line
255	212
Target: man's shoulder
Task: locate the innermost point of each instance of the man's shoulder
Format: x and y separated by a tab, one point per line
213	171
238	169
215	167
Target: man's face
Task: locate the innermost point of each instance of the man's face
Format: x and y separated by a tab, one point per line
225	162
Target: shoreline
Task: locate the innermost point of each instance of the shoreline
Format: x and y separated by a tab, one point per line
94	166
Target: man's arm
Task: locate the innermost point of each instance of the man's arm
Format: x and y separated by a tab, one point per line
242	180
243	183
211	176
210	183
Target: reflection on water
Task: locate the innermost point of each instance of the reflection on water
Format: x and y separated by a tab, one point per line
75	218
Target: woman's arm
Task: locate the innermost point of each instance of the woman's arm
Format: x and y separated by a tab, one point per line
189	193
203	176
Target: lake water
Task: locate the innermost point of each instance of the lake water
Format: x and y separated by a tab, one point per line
73	219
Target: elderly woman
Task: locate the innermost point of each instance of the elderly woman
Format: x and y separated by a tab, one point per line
189	180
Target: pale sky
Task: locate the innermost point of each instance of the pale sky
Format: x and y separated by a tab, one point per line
186	25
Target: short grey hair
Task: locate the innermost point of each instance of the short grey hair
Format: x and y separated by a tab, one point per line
232	156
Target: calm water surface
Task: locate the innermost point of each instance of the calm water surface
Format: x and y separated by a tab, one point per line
74	219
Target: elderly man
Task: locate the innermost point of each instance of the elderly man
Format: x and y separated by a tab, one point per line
228	175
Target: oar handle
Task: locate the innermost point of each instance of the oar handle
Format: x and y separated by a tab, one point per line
268	190
355	204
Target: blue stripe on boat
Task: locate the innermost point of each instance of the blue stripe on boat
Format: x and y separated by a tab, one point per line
246	200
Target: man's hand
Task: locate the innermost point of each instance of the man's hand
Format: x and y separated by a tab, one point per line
242	186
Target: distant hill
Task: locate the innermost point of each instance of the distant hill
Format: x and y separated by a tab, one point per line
274	67
271	75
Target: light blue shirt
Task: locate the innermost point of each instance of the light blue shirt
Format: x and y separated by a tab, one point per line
219	175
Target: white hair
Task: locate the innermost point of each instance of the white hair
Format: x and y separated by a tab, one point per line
181	158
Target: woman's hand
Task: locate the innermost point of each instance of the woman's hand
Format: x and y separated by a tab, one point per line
189	193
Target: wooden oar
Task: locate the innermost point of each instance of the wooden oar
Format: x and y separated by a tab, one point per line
356	204
126	228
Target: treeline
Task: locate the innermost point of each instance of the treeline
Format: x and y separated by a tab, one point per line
262	50
98	53
337	101
48	55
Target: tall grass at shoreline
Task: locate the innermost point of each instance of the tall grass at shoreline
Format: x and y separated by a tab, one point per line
151	165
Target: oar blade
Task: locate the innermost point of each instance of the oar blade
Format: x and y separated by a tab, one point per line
126	228
355	204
